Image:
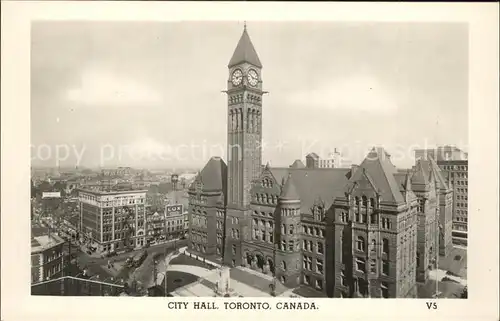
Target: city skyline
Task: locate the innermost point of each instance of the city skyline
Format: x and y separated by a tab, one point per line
349	74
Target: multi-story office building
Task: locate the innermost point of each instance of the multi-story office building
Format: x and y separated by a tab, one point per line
454	164
46	255
113	219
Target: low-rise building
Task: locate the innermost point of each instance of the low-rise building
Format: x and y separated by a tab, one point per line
453	163
46	254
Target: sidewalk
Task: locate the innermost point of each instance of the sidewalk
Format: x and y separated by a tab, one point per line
441	274
201	259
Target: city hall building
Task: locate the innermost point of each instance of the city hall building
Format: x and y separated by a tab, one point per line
113	219
366	231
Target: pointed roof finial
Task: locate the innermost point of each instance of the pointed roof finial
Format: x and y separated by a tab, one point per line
245	51
245	25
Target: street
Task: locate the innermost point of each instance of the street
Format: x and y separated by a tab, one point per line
97	265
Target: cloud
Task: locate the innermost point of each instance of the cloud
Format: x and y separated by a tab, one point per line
355	93
99	87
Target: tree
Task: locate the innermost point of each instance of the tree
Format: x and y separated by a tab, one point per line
44	187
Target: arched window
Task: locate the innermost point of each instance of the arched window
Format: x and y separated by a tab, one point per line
372	202
291	230
283	265
360	243
365	201
385	246
357	200
373	245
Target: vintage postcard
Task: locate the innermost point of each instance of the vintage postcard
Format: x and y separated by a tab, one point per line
249	164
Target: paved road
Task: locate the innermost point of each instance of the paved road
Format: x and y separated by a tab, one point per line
94	264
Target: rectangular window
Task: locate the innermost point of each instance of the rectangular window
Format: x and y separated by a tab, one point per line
234	249
385	267
385	290
319	284
343	280
319	266
360	265
319	248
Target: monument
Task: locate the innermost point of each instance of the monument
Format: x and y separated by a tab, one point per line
222	286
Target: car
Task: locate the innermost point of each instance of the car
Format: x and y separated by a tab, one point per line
111	254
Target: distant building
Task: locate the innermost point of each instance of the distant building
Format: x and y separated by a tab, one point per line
46	255
312	160
297	164
345	232
333	160
175	220
453	162
155	228
113	219
51	195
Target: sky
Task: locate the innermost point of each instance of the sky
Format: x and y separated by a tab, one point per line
149	94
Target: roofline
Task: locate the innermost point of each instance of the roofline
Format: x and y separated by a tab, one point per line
111	192
75	278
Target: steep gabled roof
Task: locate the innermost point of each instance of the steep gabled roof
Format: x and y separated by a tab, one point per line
314	184
420	178
312	155
382	172
289	191
245	52
438	174
212	176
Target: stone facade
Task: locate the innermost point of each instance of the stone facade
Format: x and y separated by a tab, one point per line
345	232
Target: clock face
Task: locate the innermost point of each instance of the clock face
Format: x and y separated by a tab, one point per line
253	78
237	77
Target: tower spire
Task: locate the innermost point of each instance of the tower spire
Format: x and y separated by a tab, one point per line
245	25
245	51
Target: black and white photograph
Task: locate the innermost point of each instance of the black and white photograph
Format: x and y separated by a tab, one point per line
249	159
268	163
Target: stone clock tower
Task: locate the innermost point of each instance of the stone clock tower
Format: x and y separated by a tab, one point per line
244	137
